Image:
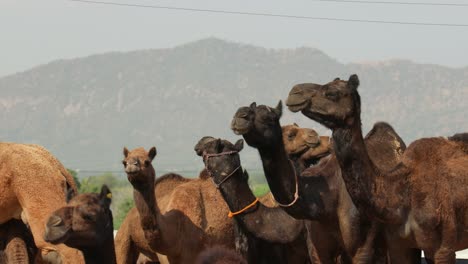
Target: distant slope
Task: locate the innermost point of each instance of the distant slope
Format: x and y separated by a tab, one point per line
85	110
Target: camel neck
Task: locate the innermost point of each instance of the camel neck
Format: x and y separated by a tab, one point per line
146	204
260	221
236	192
279	172
357	168
104	254
365	183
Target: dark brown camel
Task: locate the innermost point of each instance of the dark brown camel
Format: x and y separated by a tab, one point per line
85	224
188	219
321	190
283	237
422	200
16	242
304	146
219	255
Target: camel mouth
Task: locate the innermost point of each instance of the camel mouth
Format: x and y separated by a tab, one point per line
240	130
295	107
316	160
240	126
56	234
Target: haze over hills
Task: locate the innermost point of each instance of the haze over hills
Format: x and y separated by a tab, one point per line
85	110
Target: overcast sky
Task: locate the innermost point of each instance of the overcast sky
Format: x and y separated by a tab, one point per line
36	32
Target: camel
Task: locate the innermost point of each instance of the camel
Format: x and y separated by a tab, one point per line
285	242
16	242
421	200
319	193
304	146
85	223
27	173
130	243
190	217
219	255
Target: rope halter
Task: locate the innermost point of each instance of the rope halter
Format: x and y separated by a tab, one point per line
206	156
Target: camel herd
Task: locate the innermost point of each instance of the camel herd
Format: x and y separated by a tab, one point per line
347	198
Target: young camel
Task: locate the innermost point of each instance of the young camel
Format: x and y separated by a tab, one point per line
17	243
319	193
421	200
27	172
85	223
281	237
191	217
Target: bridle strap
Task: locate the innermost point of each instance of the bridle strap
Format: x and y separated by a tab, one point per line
225	179
296	194
206	156
231	214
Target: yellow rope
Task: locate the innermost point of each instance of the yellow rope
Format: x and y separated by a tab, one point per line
231	214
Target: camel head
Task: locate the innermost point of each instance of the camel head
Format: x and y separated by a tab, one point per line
334	105
86	220
305	143
220	166
137	164
259	125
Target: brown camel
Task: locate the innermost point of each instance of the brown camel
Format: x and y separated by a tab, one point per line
421	200
304	146
321	192
219	255
16	242
285	242
192	218
85	223
27	173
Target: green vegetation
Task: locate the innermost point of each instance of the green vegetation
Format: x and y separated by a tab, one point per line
260	189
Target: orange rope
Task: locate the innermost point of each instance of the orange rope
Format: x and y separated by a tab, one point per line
231	214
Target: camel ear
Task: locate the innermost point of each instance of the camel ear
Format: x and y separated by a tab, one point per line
106	195
279	108
294	124
336	79
70	194
353	81
152	153
253	105
125	152
239	145
218	146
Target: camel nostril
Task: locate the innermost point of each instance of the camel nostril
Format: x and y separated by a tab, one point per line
54	221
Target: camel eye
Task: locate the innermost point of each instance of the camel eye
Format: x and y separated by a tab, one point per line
88	217
332	95
291	137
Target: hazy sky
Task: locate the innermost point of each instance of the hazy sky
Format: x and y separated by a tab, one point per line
36	32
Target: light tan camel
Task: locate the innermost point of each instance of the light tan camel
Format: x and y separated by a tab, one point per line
183	222
33	184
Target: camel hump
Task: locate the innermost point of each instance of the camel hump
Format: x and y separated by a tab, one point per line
170	177
385	146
